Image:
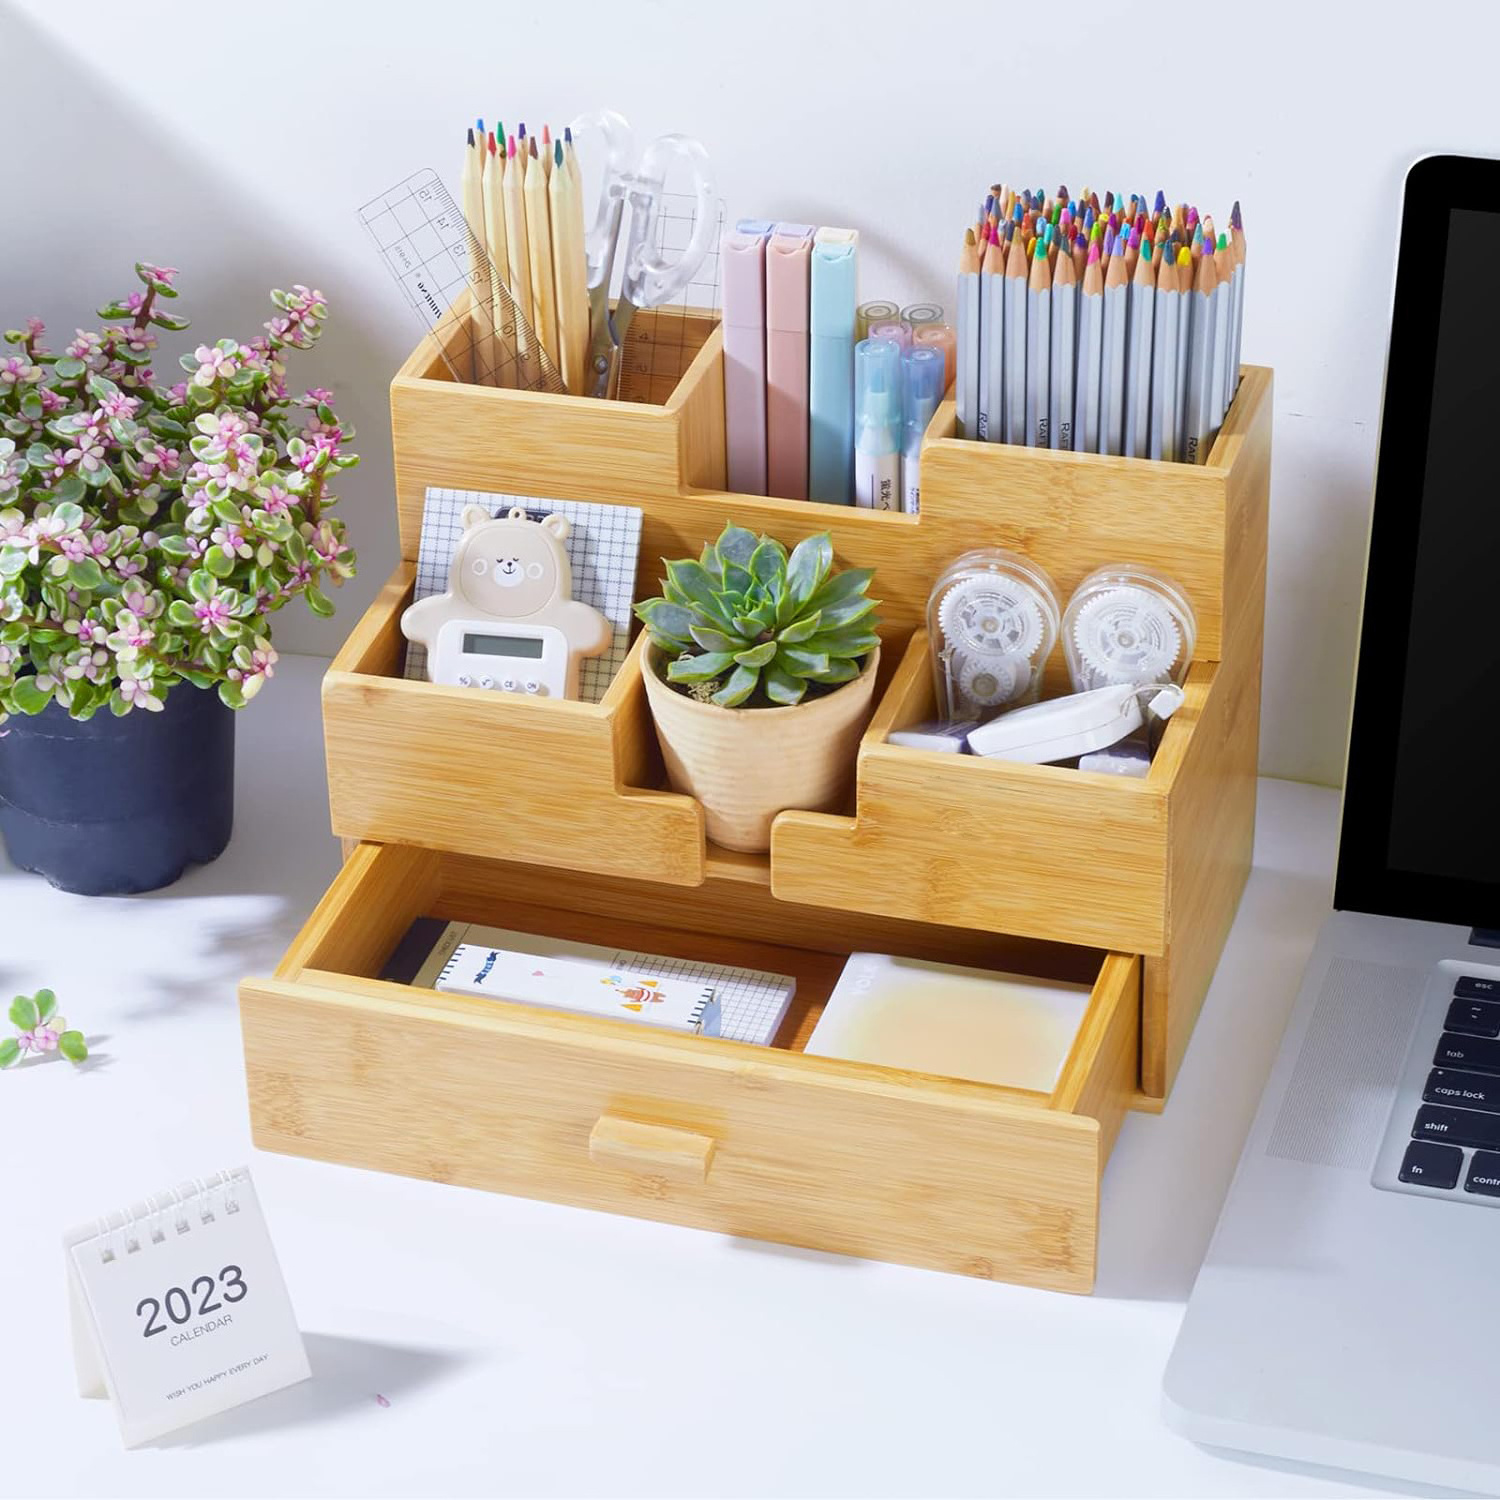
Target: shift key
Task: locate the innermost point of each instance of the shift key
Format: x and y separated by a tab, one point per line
1458	1127
1477	1053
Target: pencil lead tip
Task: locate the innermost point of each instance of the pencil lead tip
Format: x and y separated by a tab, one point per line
557	153
492	143
471	137
568	134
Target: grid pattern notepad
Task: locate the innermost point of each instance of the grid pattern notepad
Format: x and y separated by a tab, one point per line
752	1004
603	546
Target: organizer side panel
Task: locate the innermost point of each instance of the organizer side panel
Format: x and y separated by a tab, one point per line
901	1171
1212	806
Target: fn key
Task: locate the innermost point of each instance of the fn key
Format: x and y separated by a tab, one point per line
1432	1165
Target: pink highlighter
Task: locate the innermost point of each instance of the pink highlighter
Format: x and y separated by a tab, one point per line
743	258
788	260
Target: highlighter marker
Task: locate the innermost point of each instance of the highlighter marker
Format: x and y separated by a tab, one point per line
742	254
877	424
923	381
788	263
830	418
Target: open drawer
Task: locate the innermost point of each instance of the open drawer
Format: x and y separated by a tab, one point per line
766	1142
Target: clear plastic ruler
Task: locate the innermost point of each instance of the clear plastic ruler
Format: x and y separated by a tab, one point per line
452	285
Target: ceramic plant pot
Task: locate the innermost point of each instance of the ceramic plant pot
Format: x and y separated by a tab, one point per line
745	765
113	806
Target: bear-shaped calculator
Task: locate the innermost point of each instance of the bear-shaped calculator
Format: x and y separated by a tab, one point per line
509	622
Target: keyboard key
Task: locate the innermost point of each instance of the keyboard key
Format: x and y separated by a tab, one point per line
1477	987
1484	1174
1432	1166
1461	1127
1478	1054
1463	1090
1474	1018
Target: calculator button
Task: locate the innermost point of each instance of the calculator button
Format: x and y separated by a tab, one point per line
486	682
464	680
532	685
1432	1166
509	684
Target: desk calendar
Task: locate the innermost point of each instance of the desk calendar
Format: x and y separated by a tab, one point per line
179	1309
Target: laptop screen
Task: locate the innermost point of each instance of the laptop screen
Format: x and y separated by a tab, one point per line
1421	833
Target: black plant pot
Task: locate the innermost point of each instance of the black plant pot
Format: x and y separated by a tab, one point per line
114	806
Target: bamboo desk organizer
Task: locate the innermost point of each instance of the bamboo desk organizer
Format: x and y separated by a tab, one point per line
1128	885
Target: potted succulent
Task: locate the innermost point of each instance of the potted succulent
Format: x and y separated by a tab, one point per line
147	531
761	679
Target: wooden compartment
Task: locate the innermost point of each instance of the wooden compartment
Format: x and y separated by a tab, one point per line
766	1142
499	775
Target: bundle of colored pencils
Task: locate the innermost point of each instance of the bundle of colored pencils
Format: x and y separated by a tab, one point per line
523	200
1108	327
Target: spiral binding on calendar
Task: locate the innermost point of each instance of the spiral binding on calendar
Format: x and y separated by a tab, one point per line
128	1231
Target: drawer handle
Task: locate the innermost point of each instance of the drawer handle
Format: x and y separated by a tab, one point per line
657	1150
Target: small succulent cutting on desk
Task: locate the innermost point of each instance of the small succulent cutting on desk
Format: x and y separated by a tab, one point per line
749	625
41	1030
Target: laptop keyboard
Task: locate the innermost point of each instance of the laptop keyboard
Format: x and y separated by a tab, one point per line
1452	1136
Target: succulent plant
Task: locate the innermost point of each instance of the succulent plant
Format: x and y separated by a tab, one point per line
760	627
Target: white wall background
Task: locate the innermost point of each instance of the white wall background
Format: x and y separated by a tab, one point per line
237	141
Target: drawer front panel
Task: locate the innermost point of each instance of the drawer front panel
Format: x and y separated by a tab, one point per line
770	1145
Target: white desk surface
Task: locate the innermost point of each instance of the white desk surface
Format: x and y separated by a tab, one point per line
529	1349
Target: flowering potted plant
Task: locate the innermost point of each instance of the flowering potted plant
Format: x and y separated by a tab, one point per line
147	531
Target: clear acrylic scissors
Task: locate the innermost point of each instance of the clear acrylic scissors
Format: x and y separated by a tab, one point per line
650	276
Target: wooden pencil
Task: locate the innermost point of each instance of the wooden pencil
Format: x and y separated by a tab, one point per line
539	253
481	357
518	253
966	393
494	229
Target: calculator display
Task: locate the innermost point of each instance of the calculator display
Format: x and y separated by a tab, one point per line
528	647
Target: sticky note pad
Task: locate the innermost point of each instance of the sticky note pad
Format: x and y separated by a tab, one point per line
976	1024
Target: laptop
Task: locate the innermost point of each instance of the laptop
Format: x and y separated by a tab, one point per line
1348	1311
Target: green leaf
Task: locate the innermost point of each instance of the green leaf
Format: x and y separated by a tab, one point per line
13	561
31	406
843	643
28	697
836	671
693	584
317	601
46	1004
175	547
101	387
218	562
72	1046
180	612
847	611
69	492
805	571
708	560
68	515
768	565
757	656
781	688
715	640
10	1052
742	682
230	695
800	663
843	586
663	618
735	545
799	630
24	1012
703	668
168	321
85	573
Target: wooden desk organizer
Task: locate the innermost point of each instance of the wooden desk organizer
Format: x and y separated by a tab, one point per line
554	817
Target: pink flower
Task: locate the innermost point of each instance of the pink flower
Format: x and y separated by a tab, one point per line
318	395
17	371
136	689
276	500
160	273
84	347
134	302
138	340
230	540
51	400
129	567
214	364
43	1036
178	392
211	613
135	599
119	405
35	328
89	454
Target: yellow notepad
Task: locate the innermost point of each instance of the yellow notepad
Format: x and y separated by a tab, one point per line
977	1024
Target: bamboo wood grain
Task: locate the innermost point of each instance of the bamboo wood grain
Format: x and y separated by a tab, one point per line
1212	808
804	1150
1069	512
1043	851
509	777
